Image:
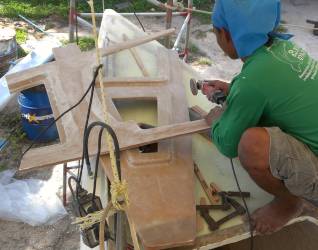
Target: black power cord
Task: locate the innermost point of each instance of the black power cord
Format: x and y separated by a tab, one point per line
92	85
245	205
134	10
103	126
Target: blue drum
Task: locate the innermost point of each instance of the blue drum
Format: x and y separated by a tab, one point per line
37	114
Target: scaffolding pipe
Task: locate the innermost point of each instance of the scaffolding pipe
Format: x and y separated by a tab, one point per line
71	20
164	6
187	40
84	23
183	27
153	14
168	22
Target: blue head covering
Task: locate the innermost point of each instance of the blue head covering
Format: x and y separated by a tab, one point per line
248	21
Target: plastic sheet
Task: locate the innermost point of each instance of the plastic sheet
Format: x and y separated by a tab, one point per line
42	53
31	201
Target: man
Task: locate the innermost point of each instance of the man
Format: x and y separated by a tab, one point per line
270	120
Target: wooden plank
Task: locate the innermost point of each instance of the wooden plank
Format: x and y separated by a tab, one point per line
132	81
133	43
197	113
27	79
137	137
137	58
212	198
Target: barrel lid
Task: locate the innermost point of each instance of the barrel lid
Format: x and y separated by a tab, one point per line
6	34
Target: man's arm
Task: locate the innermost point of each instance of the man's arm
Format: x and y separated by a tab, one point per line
214	115
244	108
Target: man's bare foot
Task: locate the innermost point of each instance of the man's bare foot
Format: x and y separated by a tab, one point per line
273	216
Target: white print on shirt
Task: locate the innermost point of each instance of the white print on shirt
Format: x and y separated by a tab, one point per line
295	57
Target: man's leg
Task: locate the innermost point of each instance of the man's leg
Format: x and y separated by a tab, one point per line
254	155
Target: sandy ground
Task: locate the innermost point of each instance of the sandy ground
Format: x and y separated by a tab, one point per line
63	235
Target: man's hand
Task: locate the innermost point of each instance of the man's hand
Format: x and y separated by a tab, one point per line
216	85
213	115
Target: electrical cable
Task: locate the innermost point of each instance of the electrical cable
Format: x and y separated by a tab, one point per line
134	10
65	112
79	174
245	205
86	152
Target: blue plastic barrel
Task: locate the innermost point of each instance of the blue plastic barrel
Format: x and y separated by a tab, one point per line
37	114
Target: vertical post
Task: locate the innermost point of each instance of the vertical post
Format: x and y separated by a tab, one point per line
168	22
64	182
72	20
103	2
187	43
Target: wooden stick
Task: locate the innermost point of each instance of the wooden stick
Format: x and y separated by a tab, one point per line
136	139
198	112
133	43
200	220
137	58
213	199
132	81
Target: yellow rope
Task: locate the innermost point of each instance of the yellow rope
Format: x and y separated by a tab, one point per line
118	189
119	193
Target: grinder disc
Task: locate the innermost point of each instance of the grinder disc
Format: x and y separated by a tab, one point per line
193	86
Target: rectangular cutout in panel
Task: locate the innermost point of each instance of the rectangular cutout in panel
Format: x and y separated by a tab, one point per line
143	111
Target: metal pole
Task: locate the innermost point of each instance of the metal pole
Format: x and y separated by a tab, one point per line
72	20
64	182
137	13
183	27
187	42
33	24
85	23
168	22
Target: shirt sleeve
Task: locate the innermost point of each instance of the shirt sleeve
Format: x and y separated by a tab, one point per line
245	106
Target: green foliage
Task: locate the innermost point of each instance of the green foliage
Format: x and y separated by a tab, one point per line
21	52
21	35
194	49
86	43
36	9
12	151
2	167
204	61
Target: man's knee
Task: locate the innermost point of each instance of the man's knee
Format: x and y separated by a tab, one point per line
253	149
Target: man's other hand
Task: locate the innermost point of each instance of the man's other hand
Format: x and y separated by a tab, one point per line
213	115
212	86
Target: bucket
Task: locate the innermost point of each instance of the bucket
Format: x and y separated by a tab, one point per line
8	49
37	114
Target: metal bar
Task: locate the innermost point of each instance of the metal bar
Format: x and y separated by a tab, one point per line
33	24
163	6
184	25
71	20
187	40
64	182
138	13
85	23
168	22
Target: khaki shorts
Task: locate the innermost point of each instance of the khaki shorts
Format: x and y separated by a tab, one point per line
294	163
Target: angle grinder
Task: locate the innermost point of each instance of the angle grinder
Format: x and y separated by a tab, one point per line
218	96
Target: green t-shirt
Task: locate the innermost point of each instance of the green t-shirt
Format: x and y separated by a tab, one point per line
278	86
